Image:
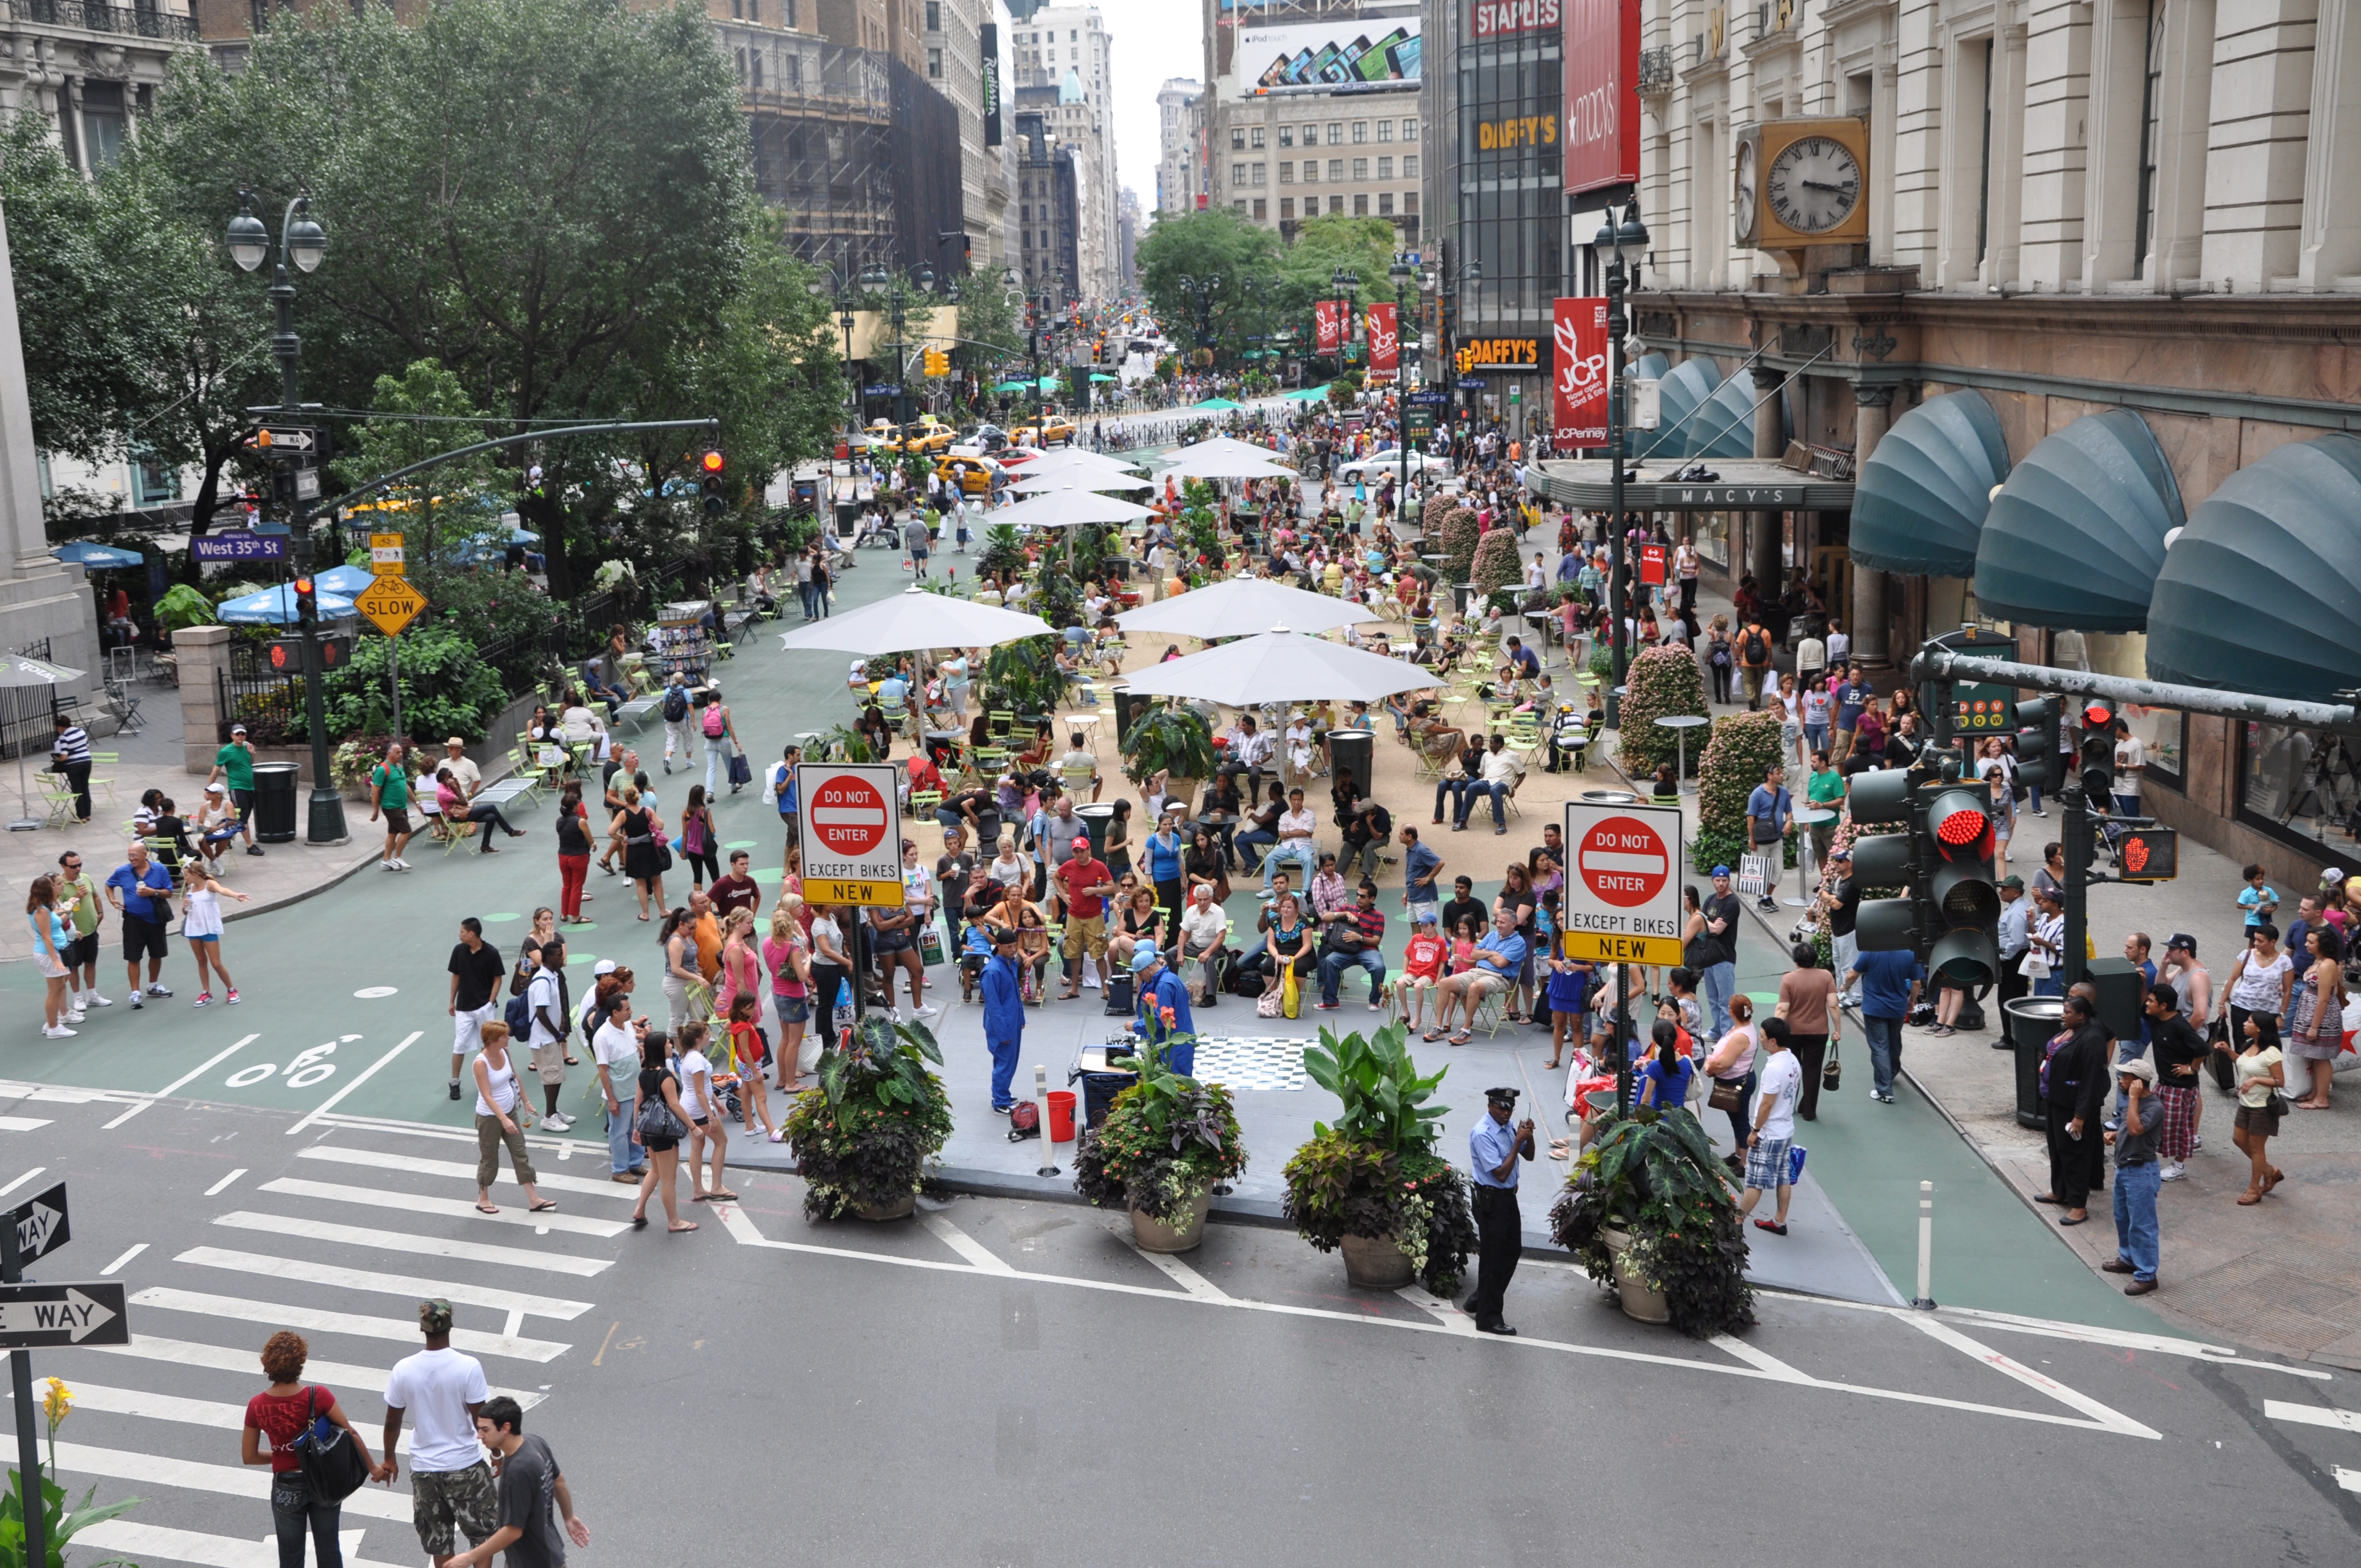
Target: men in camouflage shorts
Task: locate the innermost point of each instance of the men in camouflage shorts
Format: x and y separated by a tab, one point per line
450	1489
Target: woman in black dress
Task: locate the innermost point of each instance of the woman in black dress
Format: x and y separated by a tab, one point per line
658	1081
643	859
1205	863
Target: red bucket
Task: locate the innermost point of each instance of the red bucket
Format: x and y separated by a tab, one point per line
1061	1116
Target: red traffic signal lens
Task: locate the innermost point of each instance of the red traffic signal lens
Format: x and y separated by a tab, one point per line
713	462
1960	829
303	586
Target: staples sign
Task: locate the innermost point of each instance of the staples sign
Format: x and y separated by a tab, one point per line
1602	93
1501	18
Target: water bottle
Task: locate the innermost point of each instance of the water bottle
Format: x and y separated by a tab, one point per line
842	1016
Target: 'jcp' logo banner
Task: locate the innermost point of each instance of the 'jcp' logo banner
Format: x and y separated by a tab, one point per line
1579	394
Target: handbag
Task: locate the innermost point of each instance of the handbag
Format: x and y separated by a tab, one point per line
1291	995
1728	1095
1829	1073
1267	1004
2220	1059
656	1119
325	1453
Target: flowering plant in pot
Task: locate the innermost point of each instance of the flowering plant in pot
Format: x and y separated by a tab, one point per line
1163	1145
1742	748
1650	1209
1662	683
862	1138
1373	1183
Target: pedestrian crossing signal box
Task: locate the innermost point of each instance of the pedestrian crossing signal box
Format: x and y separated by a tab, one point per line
2148	854
286	655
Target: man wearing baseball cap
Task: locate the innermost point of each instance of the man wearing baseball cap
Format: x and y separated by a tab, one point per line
2015	909
1163	1006
234	766
1494	1148
1083	883
1004	1015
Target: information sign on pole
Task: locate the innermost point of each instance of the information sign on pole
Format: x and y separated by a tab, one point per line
390	603
1623	889
852	833
41	1222
386	554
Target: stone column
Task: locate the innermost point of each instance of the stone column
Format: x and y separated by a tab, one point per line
1771	442
201	651
1866	619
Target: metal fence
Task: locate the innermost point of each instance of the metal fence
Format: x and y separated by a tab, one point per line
144	21
25	727
269	702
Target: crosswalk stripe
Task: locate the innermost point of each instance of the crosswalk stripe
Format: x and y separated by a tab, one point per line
321	1321
403	1241
2312	1415
161	1541
464	1171
148	1406
230	1480
247	1364
22	1124
384	1284
451	1208
2348	1479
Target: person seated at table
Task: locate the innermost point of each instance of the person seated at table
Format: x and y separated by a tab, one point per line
1291	942
1203	928
451	797
579	723
1136	918
216	821
1156	795
541	728
1206	862
1329	892
1038	753
169	838
873	730
1220	809
1078	758
1245	748
602	677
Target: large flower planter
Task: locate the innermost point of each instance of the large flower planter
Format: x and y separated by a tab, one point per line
1155	1236
1640	1303
1376	1263
900	1209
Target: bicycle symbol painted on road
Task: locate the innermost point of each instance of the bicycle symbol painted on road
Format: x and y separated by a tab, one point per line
306	1070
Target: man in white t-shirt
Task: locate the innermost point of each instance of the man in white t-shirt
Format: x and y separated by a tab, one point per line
451	1488
615	1046
1779	1083
545	1000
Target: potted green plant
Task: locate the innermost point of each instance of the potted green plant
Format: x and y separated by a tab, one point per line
183	607
1372	1184
1003	553
1742	748
1662	683
862	1138
1650	1208
1455	536
60	1523
1165	738
1160	1148
1493	567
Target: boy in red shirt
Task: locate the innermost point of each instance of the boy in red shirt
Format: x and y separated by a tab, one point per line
1422	965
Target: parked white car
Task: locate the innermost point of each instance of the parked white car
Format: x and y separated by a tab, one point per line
1376	465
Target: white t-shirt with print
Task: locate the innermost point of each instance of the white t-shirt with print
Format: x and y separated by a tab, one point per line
1782	1075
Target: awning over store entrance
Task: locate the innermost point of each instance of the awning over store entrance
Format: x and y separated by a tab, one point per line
1919	501
2075	539
1724	428
1746	485
2262	591
1682	388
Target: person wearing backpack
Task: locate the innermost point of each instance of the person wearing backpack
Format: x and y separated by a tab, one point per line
1753	662
720	741
676	719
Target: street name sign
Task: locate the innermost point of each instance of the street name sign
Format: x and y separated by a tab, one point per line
390	603
32	1316
852	833
238	545
41	1222
1623	889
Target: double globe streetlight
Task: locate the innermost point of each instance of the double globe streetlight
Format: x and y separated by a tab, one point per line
1619	245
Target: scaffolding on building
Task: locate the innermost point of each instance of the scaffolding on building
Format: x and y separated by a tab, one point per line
823	132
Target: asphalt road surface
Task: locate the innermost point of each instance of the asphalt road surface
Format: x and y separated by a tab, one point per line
1012	1385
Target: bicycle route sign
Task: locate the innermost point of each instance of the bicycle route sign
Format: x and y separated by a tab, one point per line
1622	896
390	603
852	833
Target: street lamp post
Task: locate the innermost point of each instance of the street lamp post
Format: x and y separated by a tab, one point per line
1348	284
1443	282
1402	274
301	241
836	288
1619	246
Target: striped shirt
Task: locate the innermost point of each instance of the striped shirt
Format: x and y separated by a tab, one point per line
72	744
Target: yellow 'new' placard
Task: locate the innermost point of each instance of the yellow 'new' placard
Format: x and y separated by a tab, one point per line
870	894
1610	949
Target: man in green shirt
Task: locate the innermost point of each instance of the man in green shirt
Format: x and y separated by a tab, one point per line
78	896
389	794
234	764
1824	792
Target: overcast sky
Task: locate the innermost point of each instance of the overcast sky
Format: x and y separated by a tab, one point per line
1153	39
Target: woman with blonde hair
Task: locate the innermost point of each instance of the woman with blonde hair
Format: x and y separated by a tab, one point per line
50	940
742	966
788	953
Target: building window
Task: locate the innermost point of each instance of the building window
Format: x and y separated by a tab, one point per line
2165	732
787	14
102	122
934	15
935	63
1287	136
1286	205
1287	174
754	59
1258	212
1385	130
1335	172
1360	206
1335	133
1385	204
1409	201
1409	166
741	65
1237	173
1360	169
2296	785
1254	137
1360	130
1385	167
1335	204
1239	206
1258	173
152	482
2151	120
1409	130
1024	212
1238	138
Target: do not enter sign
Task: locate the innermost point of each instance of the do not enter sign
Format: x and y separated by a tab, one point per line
1622	892
848	817
852	833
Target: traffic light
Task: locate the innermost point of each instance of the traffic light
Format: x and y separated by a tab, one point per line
2099	756
1964	945
2040	744
1884	861
715	504
937	362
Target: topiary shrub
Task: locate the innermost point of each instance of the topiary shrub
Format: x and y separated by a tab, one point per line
1493	567
1456	534
1742	748
1662	683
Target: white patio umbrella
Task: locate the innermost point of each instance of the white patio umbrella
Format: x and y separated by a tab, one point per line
1059	462
1079	479
22	670
1068	506
1224	458
1279	665
1245	607
914	620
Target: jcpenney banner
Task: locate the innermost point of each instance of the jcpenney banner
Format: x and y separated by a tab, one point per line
1385	344
1578	389
1602	93
1502	18
1327	321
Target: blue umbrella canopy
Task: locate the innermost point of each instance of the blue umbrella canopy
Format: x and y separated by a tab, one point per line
276	607
346	581
1919	503
97	557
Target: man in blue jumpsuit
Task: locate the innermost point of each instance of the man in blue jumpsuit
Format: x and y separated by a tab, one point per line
1004	1016
1494	1148
1160	990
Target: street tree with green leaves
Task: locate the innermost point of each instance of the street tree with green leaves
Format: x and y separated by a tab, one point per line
1213	244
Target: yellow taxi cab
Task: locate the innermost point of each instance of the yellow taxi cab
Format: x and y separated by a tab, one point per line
970	471
924	436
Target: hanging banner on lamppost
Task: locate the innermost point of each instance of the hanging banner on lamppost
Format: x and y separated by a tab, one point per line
1327	325
1385	342
1602	94
1578	382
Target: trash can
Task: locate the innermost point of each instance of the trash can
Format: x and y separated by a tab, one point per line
1099	1090
1061	1116
1096	817
1354	751
274	802
2029	1022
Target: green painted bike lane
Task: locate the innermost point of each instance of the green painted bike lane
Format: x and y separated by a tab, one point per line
344	993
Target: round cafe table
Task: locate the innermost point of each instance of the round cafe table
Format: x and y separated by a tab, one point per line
1681	724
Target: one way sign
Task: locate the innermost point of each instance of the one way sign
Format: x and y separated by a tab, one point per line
40	1225
34	1315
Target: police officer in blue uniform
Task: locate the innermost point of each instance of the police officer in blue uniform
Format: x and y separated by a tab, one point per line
1157	989
1494	1148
